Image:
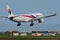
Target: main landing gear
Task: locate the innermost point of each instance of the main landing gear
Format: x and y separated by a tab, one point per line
31	24
18	24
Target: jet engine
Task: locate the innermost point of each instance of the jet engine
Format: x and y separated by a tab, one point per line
40	20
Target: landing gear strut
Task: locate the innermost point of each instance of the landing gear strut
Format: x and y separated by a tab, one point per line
18	24
31	24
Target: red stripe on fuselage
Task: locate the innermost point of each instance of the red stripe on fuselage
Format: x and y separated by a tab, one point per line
9	11
27	16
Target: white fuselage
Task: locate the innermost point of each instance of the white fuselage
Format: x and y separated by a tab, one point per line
22	19
27	17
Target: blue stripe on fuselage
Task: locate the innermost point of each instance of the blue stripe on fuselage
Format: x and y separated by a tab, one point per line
33	16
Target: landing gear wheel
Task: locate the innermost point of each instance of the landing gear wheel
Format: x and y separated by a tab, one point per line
18	24
31	24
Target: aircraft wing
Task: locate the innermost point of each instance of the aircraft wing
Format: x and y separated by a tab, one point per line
50	15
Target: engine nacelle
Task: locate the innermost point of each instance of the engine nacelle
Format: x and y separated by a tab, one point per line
40	20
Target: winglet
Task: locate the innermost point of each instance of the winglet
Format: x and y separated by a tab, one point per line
8	9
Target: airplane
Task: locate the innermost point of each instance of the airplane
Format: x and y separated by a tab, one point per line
26	17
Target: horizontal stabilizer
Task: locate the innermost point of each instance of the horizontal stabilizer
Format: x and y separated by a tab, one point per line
3	17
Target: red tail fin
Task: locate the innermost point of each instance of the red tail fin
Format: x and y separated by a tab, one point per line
8	9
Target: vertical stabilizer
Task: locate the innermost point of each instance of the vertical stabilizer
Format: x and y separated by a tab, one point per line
8	9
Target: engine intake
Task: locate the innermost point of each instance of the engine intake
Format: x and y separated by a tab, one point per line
40	20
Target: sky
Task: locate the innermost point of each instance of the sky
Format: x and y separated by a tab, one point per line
46	7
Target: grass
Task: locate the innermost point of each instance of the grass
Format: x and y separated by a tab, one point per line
8	37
